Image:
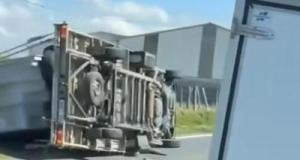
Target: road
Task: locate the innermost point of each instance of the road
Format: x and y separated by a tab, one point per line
192	148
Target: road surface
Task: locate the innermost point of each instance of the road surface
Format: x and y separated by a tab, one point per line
192	148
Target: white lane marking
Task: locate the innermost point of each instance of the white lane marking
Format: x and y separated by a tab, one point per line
195	136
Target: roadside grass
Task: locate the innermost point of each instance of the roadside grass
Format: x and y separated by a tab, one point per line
200	121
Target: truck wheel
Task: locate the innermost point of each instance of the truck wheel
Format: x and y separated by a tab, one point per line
96	90
171	143
170	75
93	133
115	53
112	133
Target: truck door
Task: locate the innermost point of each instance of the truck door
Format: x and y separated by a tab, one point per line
259	105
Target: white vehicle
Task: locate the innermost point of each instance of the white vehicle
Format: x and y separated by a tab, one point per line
258	116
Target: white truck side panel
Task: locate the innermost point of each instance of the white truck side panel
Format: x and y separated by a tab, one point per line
264	117
267	96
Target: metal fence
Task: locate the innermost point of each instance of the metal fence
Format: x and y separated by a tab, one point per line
196	92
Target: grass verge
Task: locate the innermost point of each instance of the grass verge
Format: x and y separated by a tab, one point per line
190	122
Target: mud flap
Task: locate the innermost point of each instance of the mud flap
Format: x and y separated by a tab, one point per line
145	147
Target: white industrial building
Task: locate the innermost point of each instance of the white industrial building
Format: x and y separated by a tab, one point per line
195	51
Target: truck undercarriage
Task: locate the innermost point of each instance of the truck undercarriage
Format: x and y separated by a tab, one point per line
104	97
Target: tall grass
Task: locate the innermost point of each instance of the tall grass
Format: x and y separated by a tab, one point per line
189	121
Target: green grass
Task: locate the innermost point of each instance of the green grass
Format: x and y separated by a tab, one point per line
190	122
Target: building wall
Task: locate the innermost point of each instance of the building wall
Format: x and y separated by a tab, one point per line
197	51
205	67
221	47
133	43
180	50
151	43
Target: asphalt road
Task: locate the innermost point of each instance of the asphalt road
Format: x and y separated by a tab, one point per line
191	149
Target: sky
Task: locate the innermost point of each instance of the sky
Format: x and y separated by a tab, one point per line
22	19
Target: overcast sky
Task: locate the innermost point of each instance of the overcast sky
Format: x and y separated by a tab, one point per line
22	19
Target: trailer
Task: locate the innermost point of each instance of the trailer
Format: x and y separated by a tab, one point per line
86	93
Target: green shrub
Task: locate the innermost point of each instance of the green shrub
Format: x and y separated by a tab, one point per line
189	121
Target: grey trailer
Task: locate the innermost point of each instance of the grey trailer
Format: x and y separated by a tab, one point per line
258	116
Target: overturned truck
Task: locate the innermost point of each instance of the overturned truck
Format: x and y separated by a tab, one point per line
86	93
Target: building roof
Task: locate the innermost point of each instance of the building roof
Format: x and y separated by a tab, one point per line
108	36
116	37
179	28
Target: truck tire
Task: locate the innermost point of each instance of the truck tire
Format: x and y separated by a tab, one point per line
115	53
112	133
170	75
171	143
95	88
93	133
